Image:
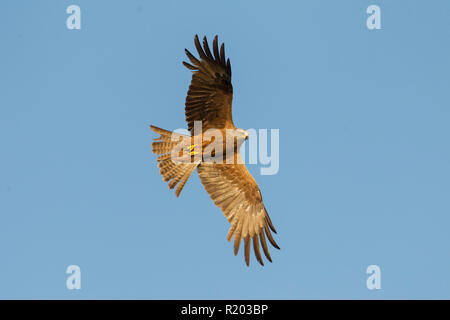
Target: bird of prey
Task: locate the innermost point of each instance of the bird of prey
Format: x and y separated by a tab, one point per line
228	182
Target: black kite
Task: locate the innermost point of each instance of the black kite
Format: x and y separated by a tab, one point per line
229	183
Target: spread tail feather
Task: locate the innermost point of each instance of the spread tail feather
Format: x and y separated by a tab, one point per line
173	172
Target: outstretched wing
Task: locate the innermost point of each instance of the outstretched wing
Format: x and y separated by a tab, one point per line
235	192
210	93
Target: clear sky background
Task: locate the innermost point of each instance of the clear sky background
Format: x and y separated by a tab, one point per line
364	149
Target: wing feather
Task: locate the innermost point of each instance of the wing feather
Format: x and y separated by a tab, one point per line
210	93
256	249
235	192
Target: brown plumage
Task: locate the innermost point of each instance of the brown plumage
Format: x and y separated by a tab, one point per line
230	186
210	92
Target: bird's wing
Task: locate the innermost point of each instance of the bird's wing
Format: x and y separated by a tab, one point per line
210	93
235	192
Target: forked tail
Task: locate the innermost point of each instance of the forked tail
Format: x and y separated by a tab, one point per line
173	172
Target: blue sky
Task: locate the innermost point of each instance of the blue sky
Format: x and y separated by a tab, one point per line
364	158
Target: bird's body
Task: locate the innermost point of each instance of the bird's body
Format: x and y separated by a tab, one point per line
213	149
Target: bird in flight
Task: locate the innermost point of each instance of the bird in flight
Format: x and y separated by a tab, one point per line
216	155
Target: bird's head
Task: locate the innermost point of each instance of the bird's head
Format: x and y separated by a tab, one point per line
243	134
